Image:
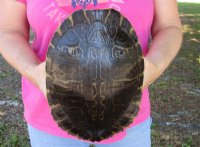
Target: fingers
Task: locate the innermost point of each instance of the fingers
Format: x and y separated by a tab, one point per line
150	73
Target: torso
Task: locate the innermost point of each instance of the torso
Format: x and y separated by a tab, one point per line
44	18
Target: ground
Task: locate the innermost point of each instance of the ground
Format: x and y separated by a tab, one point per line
175	96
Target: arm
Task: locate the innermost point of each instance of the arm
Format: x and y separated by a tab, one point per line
167	38
14	46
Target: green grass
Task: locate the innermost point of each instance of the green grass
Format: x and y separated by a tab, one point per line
2	130
188	142
162	84
2	75
13	139
178	78
189	8
191	43
16	141
153	126
184	70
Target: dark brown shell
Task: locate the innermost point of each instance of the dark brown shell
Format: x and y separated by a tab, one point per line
94	74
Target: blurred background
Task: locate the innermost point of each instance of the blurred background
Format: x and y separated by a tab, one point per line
175	96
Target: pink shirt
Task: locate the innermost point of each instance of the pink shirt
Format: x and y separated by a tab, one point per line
44	17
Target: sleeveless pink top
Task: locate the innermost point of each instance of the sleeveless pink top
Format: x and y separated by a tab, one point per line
44	17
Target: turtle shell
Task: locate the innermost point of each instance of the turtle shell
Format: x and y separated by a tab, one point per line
94	74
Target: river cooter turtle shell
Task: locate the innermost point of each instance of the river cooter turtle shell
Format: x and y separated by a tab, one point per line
94	74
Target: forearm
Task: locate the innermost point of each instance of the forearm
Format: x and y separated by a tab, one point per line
16	50
165	46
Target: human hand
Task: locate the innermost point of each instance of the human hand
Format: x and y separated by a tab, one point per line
38	77
150	72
